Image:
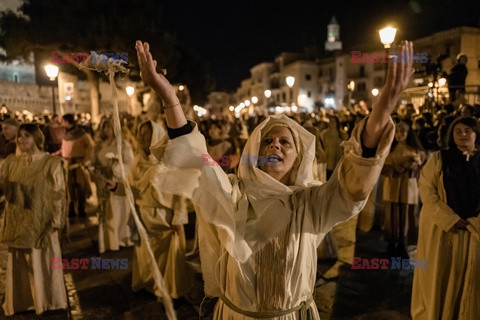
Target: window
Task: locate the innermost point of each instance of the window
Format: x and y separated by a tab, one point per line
309	94
362	71
320	73
478	63
284	97
378	82
308	77
361	86
320	89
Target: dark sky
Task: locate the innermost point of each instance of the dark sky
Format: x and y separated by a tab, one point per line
232	36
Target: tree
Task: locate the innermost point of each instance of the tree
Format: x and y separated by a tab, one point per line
108	26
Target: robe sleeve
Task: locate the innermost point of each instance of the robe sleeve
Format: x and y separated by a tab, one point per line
429	185
180	212
347	191
59	195
127	156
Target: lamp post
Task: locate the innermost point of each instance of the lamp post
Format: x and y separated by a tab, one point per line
290	82
268	94
387	36
351	88
130	91
52	73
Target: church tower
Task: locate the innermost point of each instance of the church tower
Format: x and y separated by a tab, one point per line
333	36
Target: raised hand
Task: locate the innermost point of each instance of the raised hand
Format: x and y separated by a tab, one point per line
173	110
398	77
150	75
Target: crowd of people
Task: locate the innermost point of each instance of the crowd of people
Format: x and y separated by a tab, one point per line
260	225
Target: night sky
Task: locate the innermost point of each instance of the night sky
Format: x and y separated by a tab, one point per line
233	36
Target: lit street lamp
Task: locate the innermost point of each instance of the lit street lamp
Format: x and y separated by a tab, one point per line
268	94
130	91
351	88
387	36
52	73
375	92
290	82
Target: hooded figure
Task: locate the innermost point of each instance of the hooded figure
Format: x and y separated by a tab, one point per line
258	236
163	216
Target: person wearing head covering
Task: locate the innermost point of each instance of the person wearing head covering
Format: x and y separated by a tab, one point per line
400	190
259	230
449	233
35	193
114	210
77	150
163	216
9	132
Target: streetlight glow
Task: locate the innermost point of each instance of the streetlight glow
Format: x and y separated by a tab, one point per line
181	88
231	108
375	92
387	36
254	99
442	81
351	85
267	93
247	102
290	81
51	71
130	90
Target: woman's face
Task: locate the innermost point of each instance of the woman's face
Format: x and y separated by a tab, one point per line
215	132
401	133
108	131
464	137
25	141
145	139
278	147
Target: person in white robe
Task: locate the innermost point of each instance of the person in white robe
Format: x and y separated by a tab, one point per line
114	209
35	192
449	231
163	216
259	230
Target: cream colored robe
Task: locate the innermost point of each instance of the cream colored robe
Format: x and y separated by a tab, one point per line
31	283
158	212
449	289
114	232
258	240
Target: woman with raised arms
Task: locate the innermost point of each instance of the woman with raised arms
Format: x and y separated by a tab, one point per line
259	230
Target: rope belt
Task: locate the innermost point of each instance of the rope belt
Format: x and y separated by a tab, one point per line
302	307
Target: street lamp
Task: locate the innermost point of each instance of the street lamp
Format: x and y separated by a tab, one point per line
254	99
290	82
375	92
351	88
268	94
130	91
387	36
52	73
